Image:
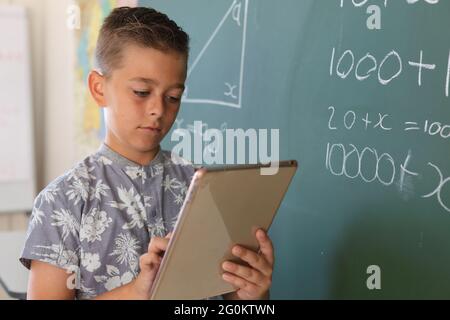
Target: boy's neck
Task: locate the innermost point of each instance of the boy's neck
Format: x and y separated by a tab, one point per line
141	158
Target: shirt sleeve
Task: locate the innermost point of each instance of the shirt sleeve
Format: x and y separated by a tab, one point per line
53	230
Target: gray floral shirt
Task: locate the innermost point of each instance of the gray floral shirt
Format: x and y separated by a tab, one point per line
98	218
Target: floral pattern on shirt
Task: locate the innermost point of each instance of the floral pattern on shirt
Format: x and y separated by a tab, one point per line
98	219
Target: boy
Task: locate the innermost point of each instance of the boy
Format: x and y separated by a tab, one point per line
99	231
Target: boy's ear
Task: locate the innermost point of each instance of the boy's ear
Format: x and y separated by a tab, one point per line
97	87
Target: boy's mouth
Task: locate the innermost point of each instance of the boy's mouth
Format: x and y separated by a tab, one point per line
151	129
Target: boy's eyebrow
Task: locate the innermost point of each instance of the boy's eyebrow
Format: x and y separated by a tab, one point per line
155	82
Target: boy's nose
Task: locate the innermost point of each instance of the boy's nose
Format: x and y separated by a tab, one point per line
155	107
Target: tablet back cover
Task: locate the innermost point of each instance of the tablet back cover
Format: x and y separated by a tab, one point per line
222	209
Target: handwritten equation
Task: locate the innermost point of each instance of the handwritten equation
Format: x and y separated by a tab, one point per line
373	8
354	120
370	165
420	70
347	64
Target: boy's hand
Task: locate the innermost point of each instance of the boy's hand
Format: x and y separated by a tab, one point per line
251	282
149	264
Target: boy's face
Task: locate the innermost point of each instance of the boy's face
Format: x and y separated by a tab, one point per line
142	99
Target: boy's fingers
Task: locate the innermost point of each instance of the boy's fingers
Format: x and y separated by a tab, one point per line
158	245
250	288
255	260
150	261
265	245
246	273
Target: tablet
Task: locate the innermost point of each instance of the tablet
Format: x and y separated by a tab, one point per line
224	206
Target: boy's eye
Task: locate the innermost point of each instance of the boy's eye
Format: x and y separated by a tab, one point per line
141	94
174	99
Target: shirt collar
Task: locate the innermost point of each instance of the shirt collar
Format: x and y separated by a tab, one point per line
120	160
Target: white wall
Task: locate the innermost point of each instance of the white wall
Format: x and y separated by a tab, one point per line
52	59
59	91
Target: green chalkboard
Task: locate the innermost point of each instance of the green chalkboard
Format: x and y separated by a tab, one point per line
359	93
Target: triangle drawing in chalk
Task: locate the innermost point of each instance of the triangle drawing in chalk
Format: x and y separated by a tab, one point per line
216	73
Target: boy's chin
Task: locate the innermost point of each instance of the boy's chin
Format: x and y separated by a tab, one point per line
147	148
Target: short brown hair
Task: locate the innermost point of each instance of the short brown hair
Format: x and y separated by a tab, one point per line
141	26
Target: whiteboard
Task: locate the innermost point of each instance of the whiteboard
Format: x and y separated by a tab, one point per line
17	177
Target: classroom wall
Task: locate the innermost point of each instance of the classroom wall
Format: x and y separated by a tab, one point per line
59	116
52	75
